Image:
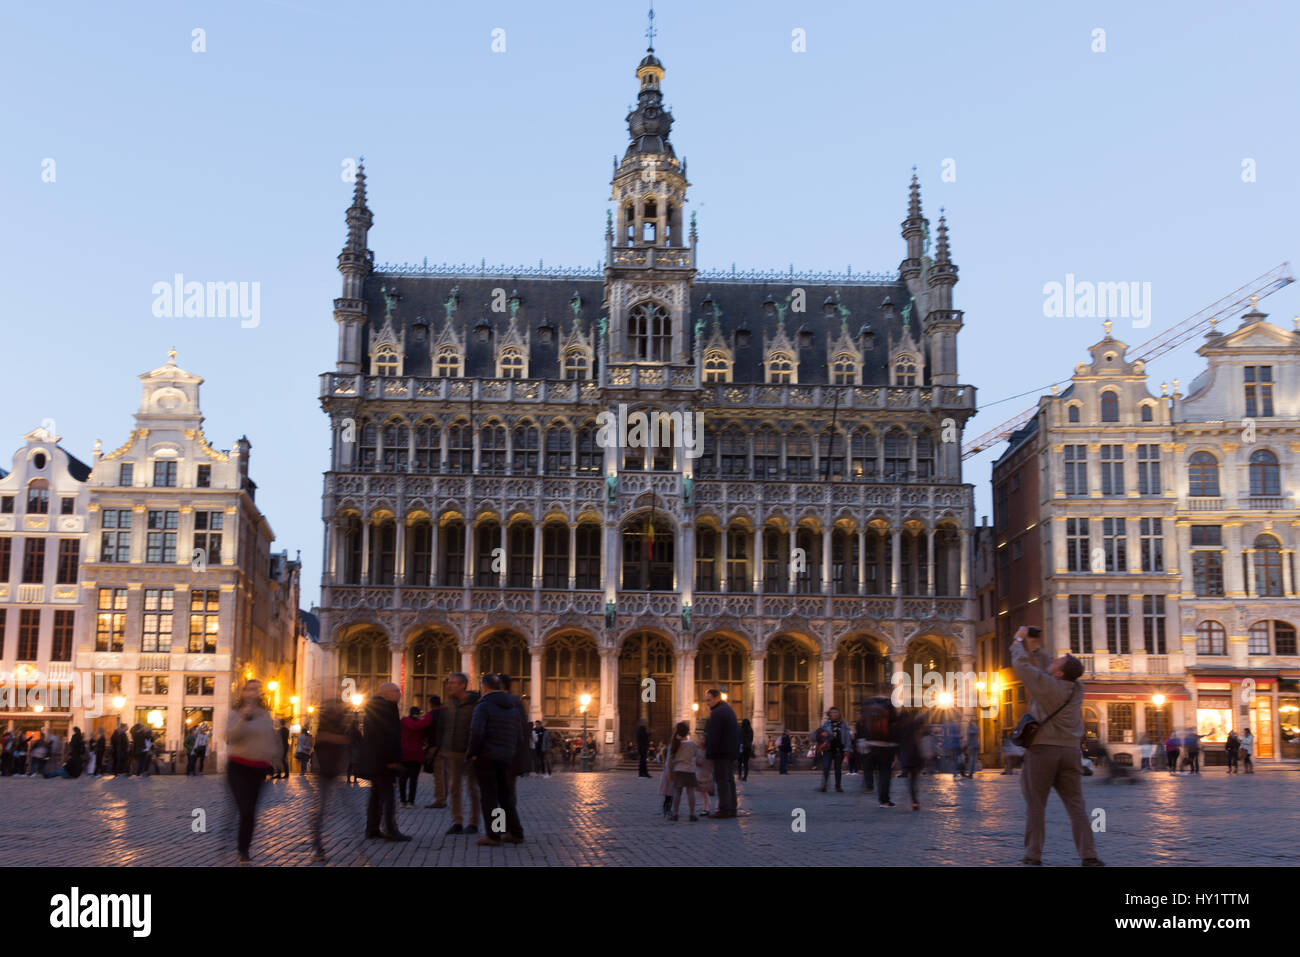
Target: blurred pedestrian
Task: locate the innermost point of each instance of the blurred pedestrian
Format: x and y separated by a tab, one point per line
746	748
1173	744
381	762
201	739
251	749
431	762
302	749
642	748
541	749
1247	750
972	754
1192	747
331	760
911	732
354	749
97	754
1232	747
76	753
282	764
879	718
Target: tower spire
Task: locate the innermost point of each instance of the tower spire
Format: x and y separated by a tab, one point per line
915	228
650	30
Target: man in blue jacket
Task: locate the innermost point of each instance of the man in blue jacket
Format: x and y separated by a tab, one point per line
497	732
721	746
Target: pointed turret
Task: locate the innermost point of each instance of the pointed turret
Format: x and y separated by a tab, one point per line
942	322
355	263
914	230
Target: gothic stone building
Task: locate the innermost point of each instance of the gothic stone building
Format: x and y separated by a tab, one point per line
478	518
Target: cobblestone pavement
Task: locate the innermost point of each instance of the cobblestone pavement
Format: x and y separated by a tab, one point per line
614	818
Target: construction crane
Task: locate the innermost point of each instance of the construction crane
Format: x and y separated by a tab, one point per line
1279	277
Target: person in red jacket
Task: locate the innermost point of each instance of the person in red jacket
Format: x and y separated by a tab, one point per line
414	727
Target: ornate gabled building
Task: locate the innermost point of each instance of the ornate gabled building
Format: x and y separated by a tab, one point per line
644	482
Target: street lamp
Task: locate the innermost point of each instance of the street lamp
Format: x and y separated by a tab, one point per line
356	700
119	702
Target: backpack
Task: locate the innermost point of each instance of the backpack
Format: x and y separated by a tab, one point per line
878	720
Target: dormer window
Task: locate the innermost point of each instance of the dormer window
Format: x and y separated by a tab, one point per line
905	370
449	364
717	367
576	365
649	333
844	370
1072	414
1109	407
512	364
781	369
387	362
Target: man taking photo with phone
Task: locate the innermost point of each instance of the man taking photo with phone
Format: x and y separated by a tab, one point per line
1052	751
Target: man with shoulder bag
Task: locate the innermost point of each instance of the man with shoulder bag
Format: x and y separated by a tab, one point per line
1050	734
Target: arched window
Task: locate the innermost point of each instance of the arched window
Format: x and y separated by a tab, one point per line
1203	475
1147	413
460	449
365	658
706	558
650	213
505	653
1072	413
798	455
905	370
591	457
721	663
1211	639
717	367
767	453
512	364
386	361
1272	638
397	438
559	450
865	465
1109	407
492	449
434	656
367	461
924	457
428	447
830	453
844	370
649	333
898	456
787	683
1268	566
449	363
572	668
648	554
525	451
735	453
1264	476
577	365
780	369
38	497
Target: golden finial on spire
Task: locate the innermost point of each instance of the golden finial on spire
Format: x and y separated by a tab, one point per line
1295	322
171	354
1254	303
1214	321
1107	325
1164	388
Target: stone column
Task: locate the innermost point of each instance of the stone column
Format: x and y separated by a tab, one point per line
471	543
862	561
725	557
608	692
399	571
573	556
505	553
896	563
758	559
964	536
535	685
365	551
929	545
828	682
433	552
790	572
467	664
826	559
537	557
758	709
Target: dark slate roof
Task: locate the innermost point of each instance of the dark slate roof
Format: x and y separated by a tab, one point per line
420	312
311	624
78	469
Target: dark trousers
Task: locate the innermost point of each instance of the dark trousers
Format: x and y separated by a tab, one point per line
200	754
1171	756
1194	761
324	784
409	781
496	788
541	761
784	762
381	804
831	759
724	780
880	763
141	763
189	763
245	783
742	766
913	779
641	767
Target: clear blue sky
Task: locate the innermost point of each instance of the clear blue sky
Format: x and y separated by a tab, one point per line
224	165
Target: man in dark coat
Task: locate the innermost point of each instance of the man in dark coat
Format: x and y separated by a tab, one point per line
119	750
497	733
381	761
721	745
642	749
100	745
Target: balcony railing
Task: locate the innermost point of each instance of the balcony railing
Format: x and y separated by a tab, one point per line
1204	504
1275	502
